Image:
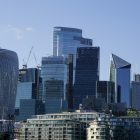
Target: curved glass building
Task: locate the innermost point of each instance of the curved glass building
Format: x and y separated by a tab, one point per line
8	82
66	41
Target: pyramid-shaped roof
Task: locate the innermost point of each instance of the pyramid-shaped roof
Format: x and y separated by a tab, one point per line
119	62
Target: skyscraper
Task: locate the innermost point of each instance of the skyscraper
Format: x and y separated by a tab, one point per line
54	79
137	77
105	91
27	97
67	40
86	75
8	82
135	92
28	85
120	74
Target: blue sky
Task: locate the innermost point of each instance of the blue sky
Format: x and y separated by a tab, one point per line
114	25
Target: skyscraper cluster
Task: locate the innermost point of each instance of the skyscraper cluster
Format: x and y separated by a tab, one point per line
70	78
67	81
69	75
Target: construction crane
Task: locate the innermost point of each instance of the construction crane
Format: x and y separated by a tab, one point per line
25	65
37	65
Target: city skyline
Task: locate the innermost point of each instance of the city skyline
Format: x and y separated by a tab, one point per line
113	25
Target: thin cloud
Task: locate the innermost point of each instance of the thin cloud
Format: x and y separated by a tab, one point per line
19	33
29	29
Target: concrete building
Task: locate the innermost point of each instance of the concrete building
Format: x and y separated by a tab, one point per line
98	130
73	126
114	128
59	126
53	129
80	115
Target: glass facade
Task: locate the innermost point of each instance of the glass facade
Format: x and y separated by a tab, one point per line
28	85
54	79
29	107
8	82
67	40
105	90
87	73
24	91
27	90
29	75
120	74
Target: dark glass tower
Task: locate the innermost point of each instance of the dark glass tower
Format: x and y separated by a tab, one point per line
87	73
120	75
105	90
8	83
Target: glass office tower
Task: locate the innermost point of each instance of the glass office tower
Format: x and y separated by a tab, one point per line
8	83
27	91
120	74
105	90
86	75
67	40
54	79
28	85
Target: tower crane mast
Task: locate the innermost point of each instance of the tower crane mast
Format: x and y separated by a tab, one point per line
25	65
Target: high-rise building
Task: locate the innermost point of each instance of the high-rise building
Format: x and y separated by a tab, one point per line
70	82
8	83
137	77
120	75
27	91
86	75
28	85
55	96
67	40
135	92
54	79
29	107
105	90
